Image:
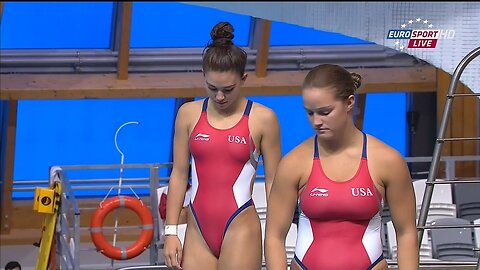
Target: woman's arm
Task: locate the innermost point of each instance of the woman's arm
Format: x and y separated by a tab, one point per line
177	186
270	146
401	200
280	210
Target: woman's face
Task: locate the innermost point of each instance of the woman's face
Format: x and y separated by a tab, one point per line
327	113
223	88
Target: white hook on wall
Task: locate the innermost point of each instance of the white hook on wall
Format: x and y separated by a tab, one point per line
120	179
116	135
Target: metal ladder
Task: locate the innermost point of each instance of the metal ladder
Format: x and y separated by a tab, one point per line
432	175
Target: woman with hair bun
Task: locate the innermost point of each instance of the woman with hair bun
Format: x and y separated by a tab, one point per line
339	177
224	135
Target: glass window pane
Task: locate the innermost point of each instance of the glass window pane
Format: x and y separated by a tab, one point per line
284	34
56	25
167	24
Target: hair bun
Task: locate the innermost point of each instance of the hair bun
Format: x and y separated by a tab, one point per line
222	34
357	80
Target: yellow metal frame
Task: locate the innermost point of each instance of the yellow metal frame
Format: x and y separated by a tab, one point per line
48	228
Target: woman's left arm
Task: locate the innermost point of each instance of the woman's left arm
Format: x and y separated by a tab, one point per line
270	146
400	197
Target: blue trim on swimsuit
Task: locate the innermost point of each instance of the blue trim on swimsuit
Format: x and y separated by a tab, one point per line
196	219
238	211
299	262
375	262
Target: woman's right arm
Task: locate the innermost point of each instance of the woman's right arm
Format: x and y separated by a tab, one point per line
280	210
177	186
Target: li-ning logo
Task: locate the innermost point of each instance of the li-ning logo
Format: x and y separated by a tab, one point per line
202	137
319	192
416	37
236	139
361	192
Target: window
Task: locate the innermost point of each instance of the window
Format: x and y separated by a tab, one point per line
284	34
167	24
56	25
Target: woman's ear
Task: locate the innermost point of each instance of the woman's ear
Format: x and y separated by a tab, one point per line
243	78
350	102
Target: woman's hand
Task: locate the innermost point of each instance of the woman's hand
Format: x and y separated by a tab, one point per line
172	250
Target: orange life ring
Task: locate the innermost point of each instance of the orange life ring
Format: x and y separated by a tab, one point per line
104	246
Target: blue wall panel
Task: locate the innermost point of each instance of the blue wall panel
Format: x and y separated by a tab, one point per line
79	132
385	118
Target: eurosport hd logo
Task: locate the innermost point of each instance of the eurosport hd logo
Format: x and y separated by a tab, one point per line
420	34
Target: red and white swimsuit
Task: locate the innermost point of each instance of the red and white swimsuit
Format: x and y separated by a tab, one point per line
340	223
224	163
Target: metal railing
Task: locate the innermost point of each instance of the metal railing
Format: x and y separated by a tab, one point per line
69	230
68	226
432	176
190	59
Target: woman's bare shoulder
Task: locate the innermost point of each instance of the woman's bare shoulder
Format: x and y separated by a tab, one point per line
263	113
300	153
188	114
382	152
386	163
296	164
190	110
191	106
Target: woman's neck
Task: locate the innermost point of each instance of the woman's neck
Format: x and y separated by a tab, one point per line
344	139
231	110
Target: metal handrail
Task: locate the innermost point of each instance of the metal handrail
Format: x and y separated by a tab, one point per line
69	258
459	139
422	219
418	159
189	59
466	226
69	223
154	180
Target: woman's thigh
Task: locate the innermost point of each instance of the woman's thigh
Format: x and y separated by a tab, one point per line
242	244
294	265
381	265
196	253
